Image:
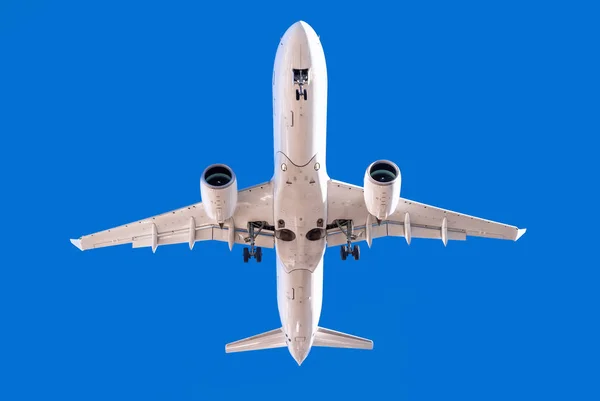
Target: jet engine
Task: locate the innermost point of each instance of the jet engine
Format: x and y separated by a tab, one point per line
382	188
218	188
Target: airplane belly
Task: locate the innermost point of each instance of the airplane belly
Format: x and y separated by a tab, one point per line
300	183
299	123
299	302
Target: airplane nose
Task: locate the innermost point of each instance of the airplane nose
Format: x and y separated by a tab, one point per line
300	28
300	32
298	46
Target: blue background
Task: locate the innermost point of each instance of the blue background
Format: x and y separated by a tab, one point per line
109	112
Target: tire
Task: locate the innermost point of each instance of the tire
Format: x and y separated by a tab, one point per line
343	252
258	255
305	95
297	94
356	252
246	255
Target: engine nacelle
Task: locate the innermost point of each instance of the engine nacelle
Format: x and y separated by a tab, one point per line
218	188
382	188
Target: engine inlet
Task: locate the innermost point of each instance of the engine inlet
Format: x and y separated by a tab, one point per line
383	172
217	176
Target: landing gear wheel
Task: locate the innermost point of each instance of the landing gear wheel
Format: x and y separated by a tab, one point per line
356	252
343	252
305	95
258	254
246	255
297	94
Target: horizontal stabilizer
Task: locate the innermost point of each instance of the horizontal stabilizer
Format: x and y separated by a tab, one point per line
336	339
270	339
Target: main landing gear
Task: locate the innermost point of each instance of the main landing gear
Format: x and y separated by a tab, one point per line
254	228
348	249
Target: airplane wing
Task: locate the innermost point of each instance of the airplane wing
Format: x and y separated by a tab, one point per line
190	224
410	220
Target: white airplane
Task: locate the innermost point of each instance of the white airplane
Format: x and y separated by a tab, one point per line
301	211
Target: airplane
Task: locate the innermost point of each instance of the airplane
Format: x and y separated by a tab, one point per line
301	211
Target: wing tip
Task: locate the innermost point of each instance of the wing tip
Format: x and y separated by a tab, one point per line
520	233
77	243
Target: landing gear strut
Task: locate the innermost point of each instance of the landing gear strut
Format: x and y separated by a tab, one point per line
348	249
301	79
254	228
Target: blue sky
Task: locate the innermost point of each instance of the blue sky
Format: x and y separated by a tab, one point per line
109	112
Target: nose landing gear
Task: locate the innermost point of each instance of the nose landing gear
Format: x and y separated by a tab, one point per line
301	93
301	79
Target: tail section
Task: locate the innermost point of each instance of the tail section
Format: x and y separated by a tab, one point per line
329	338
276	339
270	339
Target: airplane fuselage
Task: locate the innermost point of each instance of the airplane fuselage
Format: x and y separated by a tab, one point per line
296	206
300	183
